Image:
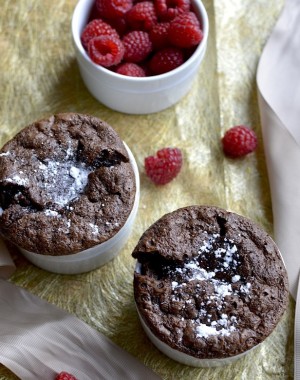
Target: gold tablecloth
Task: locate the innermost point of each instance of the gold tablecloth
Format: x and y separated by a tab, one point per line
39	76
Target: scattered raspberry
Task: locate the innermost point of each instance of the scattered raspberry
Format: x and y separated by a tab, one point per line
96	28
239	141
131	70
184	31
167	10
112	9
106	50
165	166
137	46
159	35
166	60
142	16
65	376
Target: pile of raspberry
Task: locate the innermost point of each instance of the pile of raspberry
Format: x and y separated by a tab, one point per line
141	38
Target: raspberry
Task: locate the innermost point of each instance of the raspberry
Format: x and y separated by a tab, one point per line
166	60
239	141
165	166
159	35
137	46
131	70
106	50
120	25
141	16
167	10
96	28
112	9
65	376
185	30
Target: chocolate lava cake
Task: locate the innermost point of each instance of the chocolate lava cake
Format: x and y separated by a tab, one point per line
66	184
210	284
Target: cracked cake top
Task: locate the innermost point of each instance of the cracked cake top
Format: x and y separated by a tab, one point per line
210	283
66	184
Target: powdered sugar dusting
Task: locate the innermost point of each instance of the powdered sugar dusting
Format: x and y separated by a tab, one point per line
63	181
51	213
227	326
215	265
5	154
94	228
18	180
58	180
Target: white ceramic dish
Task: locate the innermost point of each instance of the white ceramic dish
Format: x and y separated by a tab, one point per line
181	357
94	257
136	95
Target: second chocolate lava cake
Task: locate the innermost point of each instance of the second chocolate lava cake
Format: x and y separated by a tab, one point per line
211	283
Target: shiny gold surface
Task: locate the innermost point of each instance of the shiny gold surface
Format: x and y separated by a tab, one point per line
39	76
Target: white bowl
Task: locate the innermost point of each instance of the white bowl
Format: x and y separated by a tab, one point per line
182	357
136	95
96	256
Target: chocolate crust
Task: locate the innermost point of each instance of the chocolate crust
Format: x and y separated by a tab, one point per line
66	184
211	283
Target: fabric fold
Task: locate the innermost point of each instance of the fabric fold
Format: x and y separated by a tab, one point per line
38	340
278	83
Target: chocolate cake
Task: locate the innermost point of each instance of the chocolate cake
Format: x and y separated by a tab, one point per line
66	184
211	284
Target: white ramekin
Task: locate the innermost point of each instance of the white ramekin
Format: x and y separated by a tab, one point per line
96	256
136	95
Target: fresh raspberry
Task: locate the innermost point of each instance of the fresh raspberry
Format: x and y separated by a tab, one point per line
239	141
166	60
167	10
96	28
120	25
131	70
184	31
141	16
106	50
137	46
159	35
165	166
112	9
65	376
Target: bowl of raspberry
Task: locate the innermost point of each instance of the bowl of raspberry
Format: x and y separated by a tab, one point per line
139	57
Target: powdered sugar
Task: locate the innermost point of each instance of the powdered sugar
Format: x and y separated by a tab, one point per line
51	213
58	180
5	154
227	326
63	181
94	228
18	180
216	264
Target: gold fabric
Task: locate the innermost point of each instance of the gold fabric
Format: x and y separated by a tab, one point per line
39	76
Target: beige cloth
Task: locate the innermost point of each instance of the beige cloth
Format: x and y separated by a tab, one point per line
278	81
38	340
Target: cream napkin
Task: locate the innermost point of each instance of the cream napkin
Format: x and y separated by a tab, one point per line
278	80
39	340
